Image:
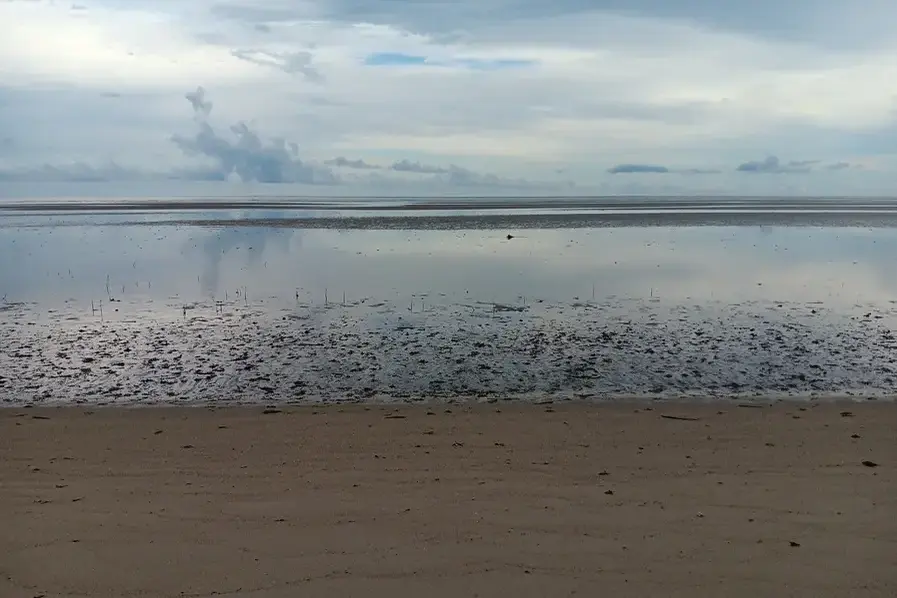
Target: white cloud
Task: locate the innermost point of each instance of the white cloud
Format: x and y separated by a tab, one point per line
43	42
588	85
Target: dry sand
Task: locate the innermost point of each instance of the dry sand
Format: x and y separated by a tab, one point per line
520	500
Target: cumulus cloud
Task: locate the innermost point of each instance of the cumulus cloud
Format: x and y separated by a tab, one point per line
277	161
197	99
247	156
244	154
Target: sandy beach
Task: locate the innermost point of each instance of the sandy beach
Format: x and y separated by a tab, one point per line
488	500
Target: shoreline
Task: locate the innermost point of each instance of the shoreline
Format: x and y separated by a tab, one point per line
630	499
472	402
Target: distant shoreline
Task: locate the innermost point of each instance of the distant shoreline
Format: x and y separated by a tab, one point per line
387	203
452	213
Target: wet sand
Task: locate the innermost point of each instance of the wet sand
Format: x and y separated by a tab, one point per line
382	352
488	500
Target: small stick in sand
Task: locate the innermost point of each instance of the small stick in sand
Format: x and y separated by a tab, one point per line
681	418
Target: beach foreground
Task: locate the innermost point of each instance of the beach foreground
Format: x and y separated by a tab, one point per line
487	500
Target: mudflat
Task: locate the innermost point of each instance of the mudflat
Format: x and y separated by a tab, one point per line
621	499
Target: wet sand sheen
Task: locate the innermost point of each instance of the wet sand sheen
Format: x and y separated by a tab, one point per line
536	500
385	353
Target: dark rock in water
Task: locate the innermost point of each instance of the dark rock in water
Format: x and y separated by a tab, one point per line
794	544
870	463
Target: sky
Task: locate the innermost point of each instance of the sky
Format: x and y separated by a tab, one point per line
493	97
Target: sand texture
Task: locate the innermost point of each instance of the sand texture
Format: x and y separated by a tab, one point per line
521	500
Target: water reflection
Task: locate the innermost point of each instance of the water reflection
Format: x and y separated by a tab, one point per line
680	265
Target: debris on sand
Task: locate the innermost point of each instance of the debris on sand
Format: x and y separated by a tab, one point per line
454	350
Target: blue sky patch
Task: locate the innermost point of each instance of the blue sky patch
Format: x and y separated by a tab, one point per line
401	59
394	59
492	65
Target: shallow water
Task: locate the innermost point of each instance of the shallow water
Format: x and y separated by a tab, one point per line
191	310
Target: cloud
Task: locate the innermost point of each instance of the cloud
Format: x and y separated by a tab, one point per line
440	176
248	156
197	99
772	165
293	63
658	169
638	168
408	166
342	162
255	14
517	88
821	22
82	172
